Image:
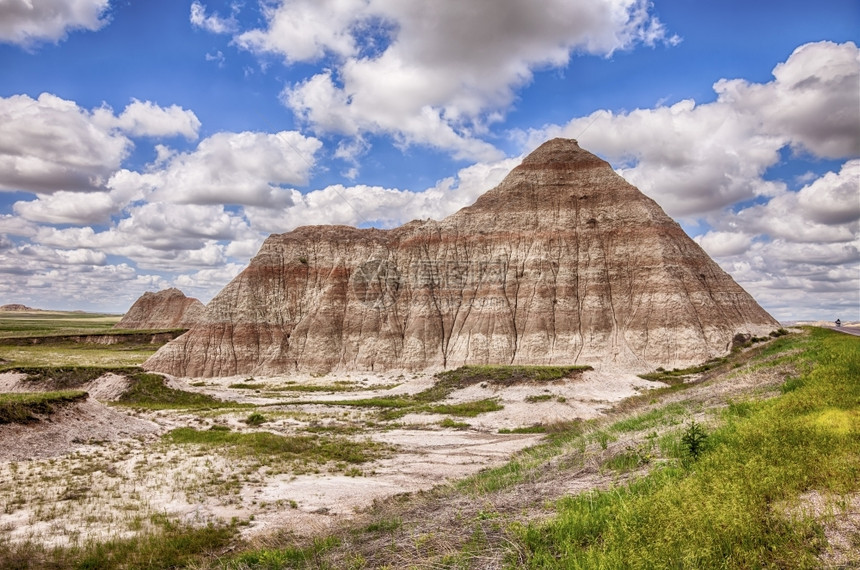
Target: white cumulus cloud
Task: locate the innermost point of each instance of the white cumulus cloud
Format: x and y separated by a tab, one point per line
212	23
50	144
435	73
238	168
695	159
387	207
144	118
26	22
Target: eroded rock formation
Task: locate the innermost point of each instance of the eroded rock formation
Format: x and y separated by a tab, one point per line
15	307
167	309
564	262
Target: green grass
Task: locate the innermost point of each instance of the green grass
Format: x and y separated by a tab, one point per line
171	545
453	424
55	332
466	376
394	407
463	377
379	402
671	414
527	463
26	407
336	387
678	375
42	323
146	390
536	428
149	391
75	354
719	512
465	409
64	377
256	419
535	398
278	558
306	448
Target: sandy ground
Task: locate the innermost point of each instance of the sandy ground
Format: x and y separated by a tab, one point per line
93	470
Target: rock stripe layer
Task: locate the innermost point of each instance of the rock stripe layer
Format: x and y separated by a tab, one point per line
563	263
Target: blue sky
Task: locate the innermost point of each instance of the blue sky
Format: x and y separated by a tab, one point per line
153	144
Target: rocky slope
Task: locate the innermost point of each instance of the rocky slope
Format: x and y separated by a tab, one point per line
167	309
564	262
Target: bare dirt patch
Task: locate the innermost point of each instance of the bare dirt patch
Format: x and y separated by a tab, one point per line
70	428
839	516
107	387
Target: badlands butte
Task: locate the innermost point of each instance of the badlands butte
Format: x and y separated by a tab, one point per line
564	262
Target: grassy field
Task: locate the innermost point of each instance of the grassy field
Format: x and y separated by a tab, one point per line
74	355
16	325
38	323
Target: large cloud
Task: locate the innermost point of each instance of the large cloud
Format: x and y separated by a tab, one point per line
144	118
826	211
386	207
51	144
159	235
25	22
797	281
435	73
798	253
695	159
814	99
237	168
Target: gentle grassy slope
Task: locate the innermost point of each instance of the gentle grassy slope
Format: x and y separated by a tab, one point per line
146	390
727	508
27	406
720	511
149	391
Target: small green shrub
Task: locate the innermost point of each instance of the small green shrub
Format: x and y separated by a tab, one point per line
453	424
384	525
535	398
255	419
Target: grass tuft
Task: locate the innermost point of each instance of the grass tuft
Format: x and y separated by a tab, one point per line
307	448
